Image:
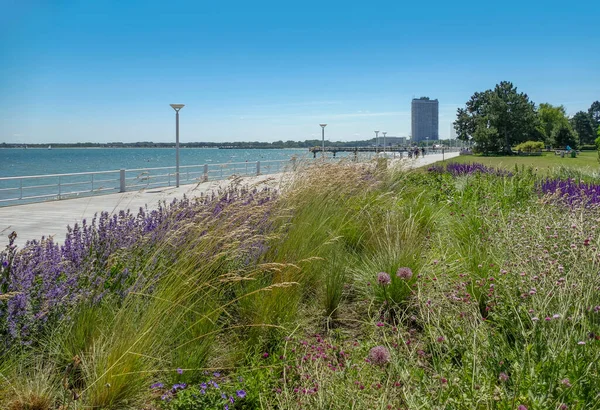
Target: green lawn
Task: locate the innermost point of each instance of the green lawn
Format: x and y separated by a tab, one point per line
587	160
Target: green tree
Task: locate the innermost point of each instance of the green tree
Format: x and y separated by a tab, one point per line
564	135
594	112
497	119
551	118
583	126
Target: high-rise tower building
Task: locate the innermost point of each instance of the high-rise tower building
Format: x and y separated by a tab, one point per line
425	121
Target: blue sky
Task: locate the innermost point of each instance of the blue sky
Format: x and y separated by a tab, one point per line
106	71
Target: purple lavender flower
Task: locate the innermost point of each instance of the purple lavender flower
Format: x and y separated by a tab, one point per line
179	370
241	394
157	385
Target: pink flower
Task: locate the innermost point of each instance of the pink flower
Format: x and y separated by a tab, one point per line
521	407
503	377
566	382
379	355
383	278
404	273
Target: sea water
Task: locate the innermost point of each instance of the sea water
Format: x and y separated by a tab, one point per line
38	161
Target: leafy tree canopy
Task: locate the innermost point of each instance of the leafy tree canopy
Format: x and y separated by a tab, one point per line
582	124
497	119
551	118
594	113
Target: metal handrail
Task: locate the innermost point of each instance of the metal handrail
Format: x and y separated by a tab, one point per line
124	181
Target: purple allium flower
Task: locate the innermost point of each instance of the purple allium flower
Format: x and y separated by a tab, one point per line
180	371
404	273
503	377
265	355
521	407
379	355
383	278
241	394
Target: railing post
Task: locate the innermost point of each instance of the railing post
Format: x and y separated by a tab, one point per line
205	173
122	180
257	167
168	179
59	178
21	189
92	183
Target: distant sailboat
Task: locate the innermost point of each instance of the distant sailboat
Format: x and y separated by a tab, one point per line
49	146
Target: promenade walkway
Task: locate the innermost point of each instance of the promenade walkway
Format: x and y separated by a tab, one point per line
32	221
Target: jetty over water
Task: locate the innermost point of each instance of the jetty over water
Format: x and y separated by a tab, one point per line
357	150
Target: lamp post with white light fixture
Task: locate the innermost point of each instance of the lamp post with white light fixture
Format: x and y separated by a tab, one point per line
177	107
323	139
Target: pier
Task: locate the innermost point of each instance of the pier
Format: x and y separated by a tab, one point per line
376	150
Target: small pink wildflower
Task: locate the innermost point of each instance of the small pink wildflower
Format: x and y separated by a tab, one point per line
503	377
566	382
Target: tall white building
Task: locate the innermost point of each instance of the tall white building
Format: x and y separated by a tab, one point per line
425	119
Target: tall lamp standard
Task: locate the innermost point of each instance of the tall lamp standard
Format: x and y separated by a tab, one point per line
384	132
177	107
323	139
376	141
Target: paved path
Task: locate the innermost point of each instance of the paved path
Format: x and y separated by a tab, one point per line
32	221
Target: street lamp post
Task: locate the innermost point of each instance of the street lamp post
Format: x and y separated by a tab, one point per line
384	132
376	141
177	107
323	139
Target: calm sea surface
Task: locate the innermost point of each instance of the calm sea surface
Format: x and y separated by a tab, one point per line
20	162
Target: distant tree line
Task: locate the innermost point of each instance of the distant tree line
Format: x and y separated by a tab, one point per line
496	120
240	145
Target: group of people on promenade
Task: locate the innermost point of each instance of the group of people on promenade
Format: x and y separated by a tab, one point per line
415	152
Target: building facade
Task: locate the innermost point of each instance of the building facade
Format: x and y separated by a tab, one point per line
425	119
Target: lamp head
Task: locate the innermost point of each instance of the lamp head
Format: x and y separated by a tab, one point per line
177	107
376	132
323	125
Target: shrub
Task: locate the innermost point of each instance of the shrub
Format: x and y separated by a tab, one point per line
530	146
